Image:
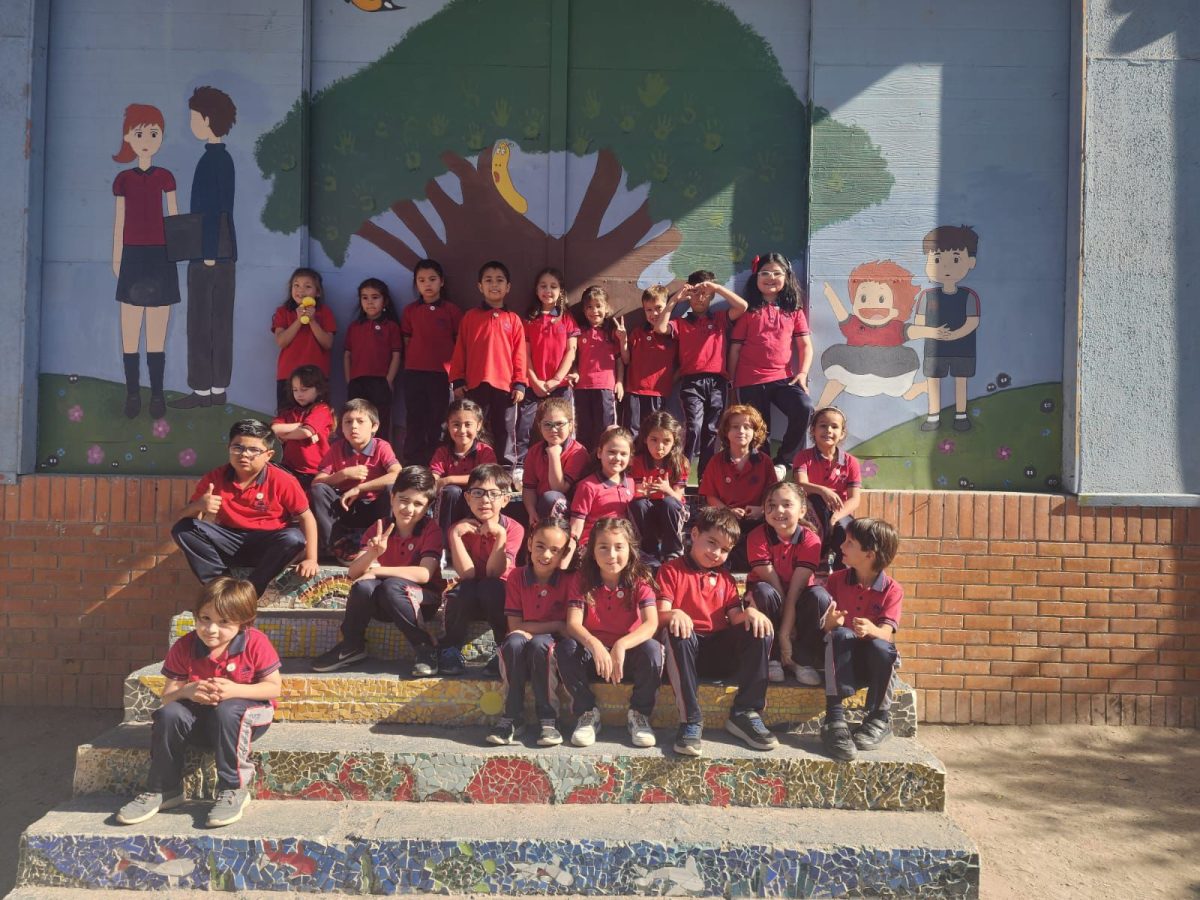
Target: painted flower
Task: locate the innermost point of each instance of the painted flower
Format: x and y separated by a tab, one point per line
946	446
1045	432
1003	452
869	469
976	411
95	455
187	457
75	413
161	428
942	481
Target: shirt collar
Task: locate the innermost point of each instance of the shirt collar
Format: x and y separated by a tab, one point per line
774	538
259	479
752	458
531	579
839	456
619	481
880	584
367	450
471	451
484	305
434	305
235	648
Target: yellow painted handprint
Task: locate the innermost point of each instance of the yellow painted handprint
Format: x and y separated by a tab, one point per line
501	156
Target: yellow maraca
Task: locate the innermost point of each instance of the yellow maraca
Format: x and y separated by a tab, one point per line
306	306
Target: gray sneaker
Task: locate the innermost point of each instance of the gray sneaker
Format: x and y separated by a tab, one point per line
229	807
148	804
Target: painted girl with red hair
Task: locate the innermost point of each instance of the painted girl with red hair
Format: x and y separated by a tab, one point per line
874	359
147	282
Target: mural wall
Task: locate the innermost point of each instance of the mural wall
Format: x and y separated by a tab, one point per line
196	157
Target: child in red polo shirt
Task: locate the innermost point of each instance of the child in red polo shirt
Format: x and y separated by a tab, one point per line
856	615
599	366
650	360
304	335
832	479
372	355
738	476
304	426
536	606
703	385
763	373
222	680
611	621
551	340
430	329
607	492
463	449
245	514
556	461
488	364
350	488
660	473
483	550
707	631
783	553
397	577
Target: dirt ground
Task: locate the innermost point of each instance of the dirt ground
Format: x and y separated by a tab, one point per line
1057	811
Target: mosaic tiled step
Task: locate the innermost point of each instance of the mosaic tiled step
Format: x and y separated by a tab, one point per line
451	848
375	694
420	763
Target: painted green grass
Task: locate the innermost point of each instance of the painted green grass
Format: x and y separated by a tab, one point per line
82	429
1015	444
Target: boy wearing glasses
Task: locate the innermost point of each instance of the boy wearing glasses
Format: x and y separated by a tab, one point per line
483	550
241	514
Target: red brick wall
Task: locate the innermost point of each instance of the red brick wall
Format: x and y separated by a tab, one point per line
1020	609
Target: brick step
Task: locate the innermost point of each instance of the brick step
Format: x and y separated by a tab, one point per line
374	694
308	761
451	848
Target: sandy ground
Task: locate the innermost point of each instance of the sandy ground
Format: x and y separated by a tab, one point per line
1057	811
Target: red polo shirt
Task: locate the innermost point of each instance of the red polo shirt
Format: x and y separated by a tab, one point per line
598	498
838	474
446	462
644	467
548	336
430	329
706	595
371	345
490	350
248	659
766	335
879	601
143	191
479	547
306	456
733	488
424	543
614	612
701	342
575	462
764	546
268	503
596	359
304	349
377	456
651	360
526	599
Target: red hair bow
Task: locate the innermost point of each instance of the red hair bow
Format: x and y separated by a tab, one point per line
754	264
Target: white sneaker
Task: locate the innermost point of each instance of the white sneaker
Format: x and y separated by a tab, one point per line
781	472
639	729
807	675
586	728
774	671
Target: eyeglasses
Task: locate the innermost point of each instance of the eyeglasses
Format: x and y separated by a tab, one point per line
555	426
480	494
249	452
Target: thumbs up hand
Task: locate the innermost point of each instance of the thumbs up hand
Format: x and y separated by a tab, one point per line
210	503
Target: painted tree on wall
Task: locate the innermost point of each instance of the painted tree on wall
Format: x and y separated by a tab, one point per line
702	114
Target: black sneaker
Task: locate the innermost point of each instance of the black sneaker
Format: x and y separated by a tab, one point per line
450	661
871	733
426	663
748	727
549	735
504	733
342	655
838	742
492	669
687	739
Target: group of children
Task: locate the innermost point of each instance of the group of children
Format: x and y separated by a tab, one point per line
609	588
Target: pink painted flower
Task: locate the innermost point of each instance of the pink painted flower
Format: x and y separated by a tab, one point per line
161	428
75	413
187	457
946	446
1003	452
869	469
95	455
